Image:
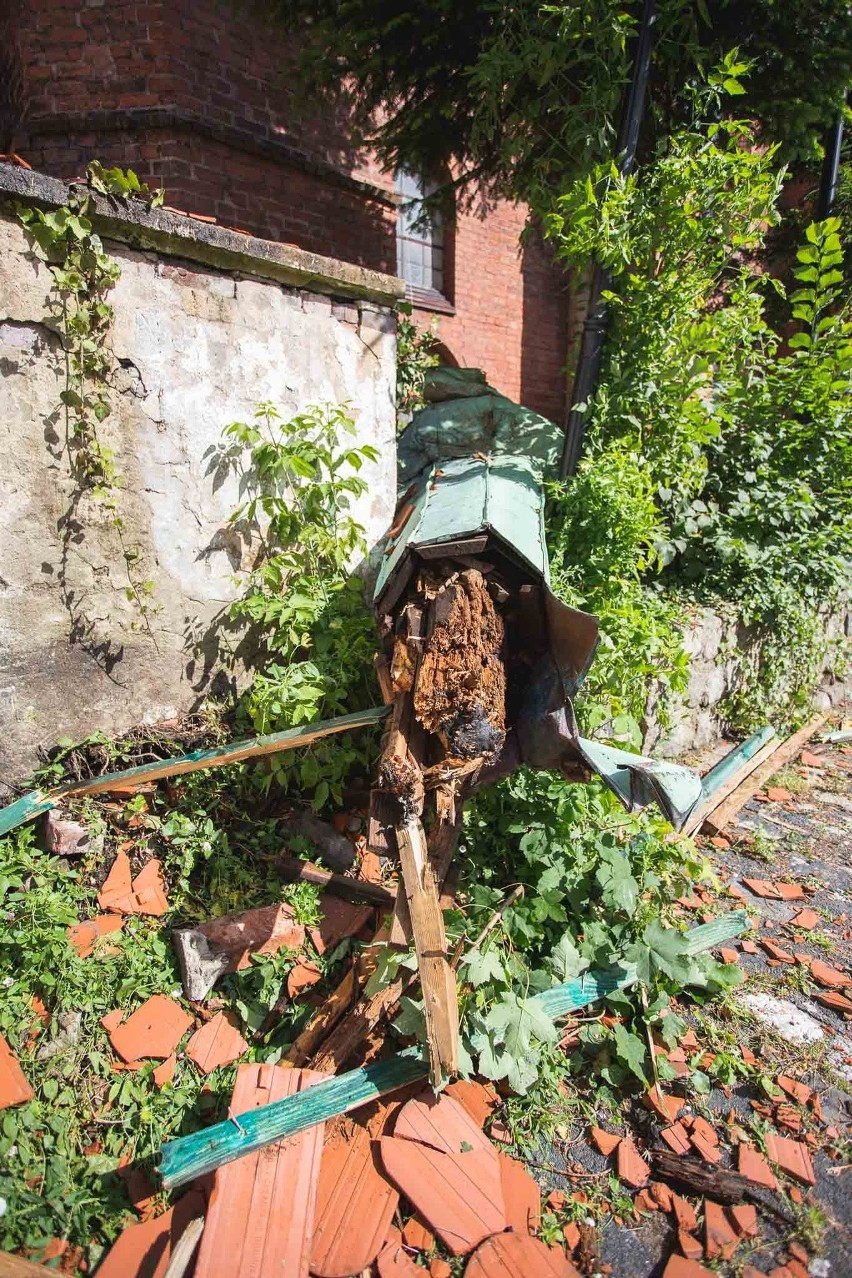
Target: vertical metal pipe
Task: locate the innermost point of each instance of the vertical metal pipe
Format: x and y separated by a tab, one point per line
597	317
830	169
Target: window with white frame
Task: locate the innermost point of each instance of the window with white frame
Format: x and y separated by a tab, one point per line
419	240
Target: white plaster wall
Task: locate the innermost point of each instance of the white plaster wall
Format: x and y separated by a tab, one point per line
194	350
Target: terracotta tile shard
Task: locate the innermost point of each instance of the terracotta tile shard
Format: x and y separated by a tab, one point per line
708	1152
700	1127
829	976
689	1245
790	891
459	1195
837	1002
445	1125
777	951
233	938
690	1040
605	1142
14	1087
83	937
394	1262
811	760
261	1215
778	794
517	1256
417	1235
681	1267
752	1165
664	1106
439	1268
521	1195
355	1205
112	1019
644	1201
165	1073
117	885
805	919
662	1195
631	1168
219	1042
774	890
729	956
149	891
676	1138
797	1091
154	1030
792	1157
720	1239
684	1214
571	1234
744	1220
144	1251
479	1101
302	977
749	947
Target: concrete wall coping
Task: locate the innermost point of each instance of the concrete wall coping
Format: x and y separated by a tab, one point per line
183	236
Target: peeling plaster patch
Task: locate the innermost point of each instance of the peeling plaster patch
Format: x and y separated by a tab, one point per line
779	1014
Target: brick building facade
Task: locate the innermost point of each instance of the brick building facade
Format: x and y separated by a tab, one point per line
196	96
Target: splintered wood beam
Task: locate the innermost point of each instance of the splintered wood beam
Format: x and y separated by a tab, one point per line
443	840
440	999
186	1157
358	890
785	751
33	804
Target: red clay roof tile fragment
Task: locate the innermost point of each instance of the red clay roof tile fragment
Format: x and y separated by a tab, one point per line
719	1237
684	1214
444	1124
439	1268
806	919
836	1001
521	1195
301	977
778	794
143	895
394	1262
774	890
339	920
662	1195
777	951
165	1073
728	955
418	1235
701	1145
14	1087
117	885
811	760
660	1103
149	890
261	1214
355	1204
676	1138
479	1101
743	1217
144	1251
792	1156
689	1245
518	1256
752	1165
631	1167
605	1142
798	1091
83	937
153	1030
219	1042
680	1267
829	976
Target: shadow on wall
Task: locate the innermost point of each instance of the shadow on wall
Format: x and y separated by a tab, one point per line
544	328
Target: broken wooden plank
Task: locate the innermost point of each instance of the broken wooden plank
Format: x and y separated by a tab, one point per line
442	840
33	804
261	1213
189	1156
716	821
730	772
437	981
357	890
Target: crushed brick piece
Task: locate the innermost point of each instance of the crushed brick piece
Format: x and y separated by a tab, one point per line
836	1001
165	1073
689	1245
83	937
556	1199
418	1235
805	920
154	1030
744	1219
719	1237
14	1087
690	1040
752	1165
680	1267
684	1214
605	1142
777	951
798	1252
632	1169
792	1157
676	1138
829	976
644	1202
798	1091
219	1042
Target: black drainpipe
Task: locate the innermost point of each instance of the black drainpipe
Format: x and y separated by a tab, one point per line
597	316
830	169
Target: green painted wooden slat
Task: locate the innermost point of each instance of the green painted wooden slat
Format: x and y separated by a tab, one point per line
38	801
190	1156
719	774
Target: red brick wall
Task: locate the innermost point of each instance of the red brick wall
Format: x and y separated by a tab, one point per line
197	98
